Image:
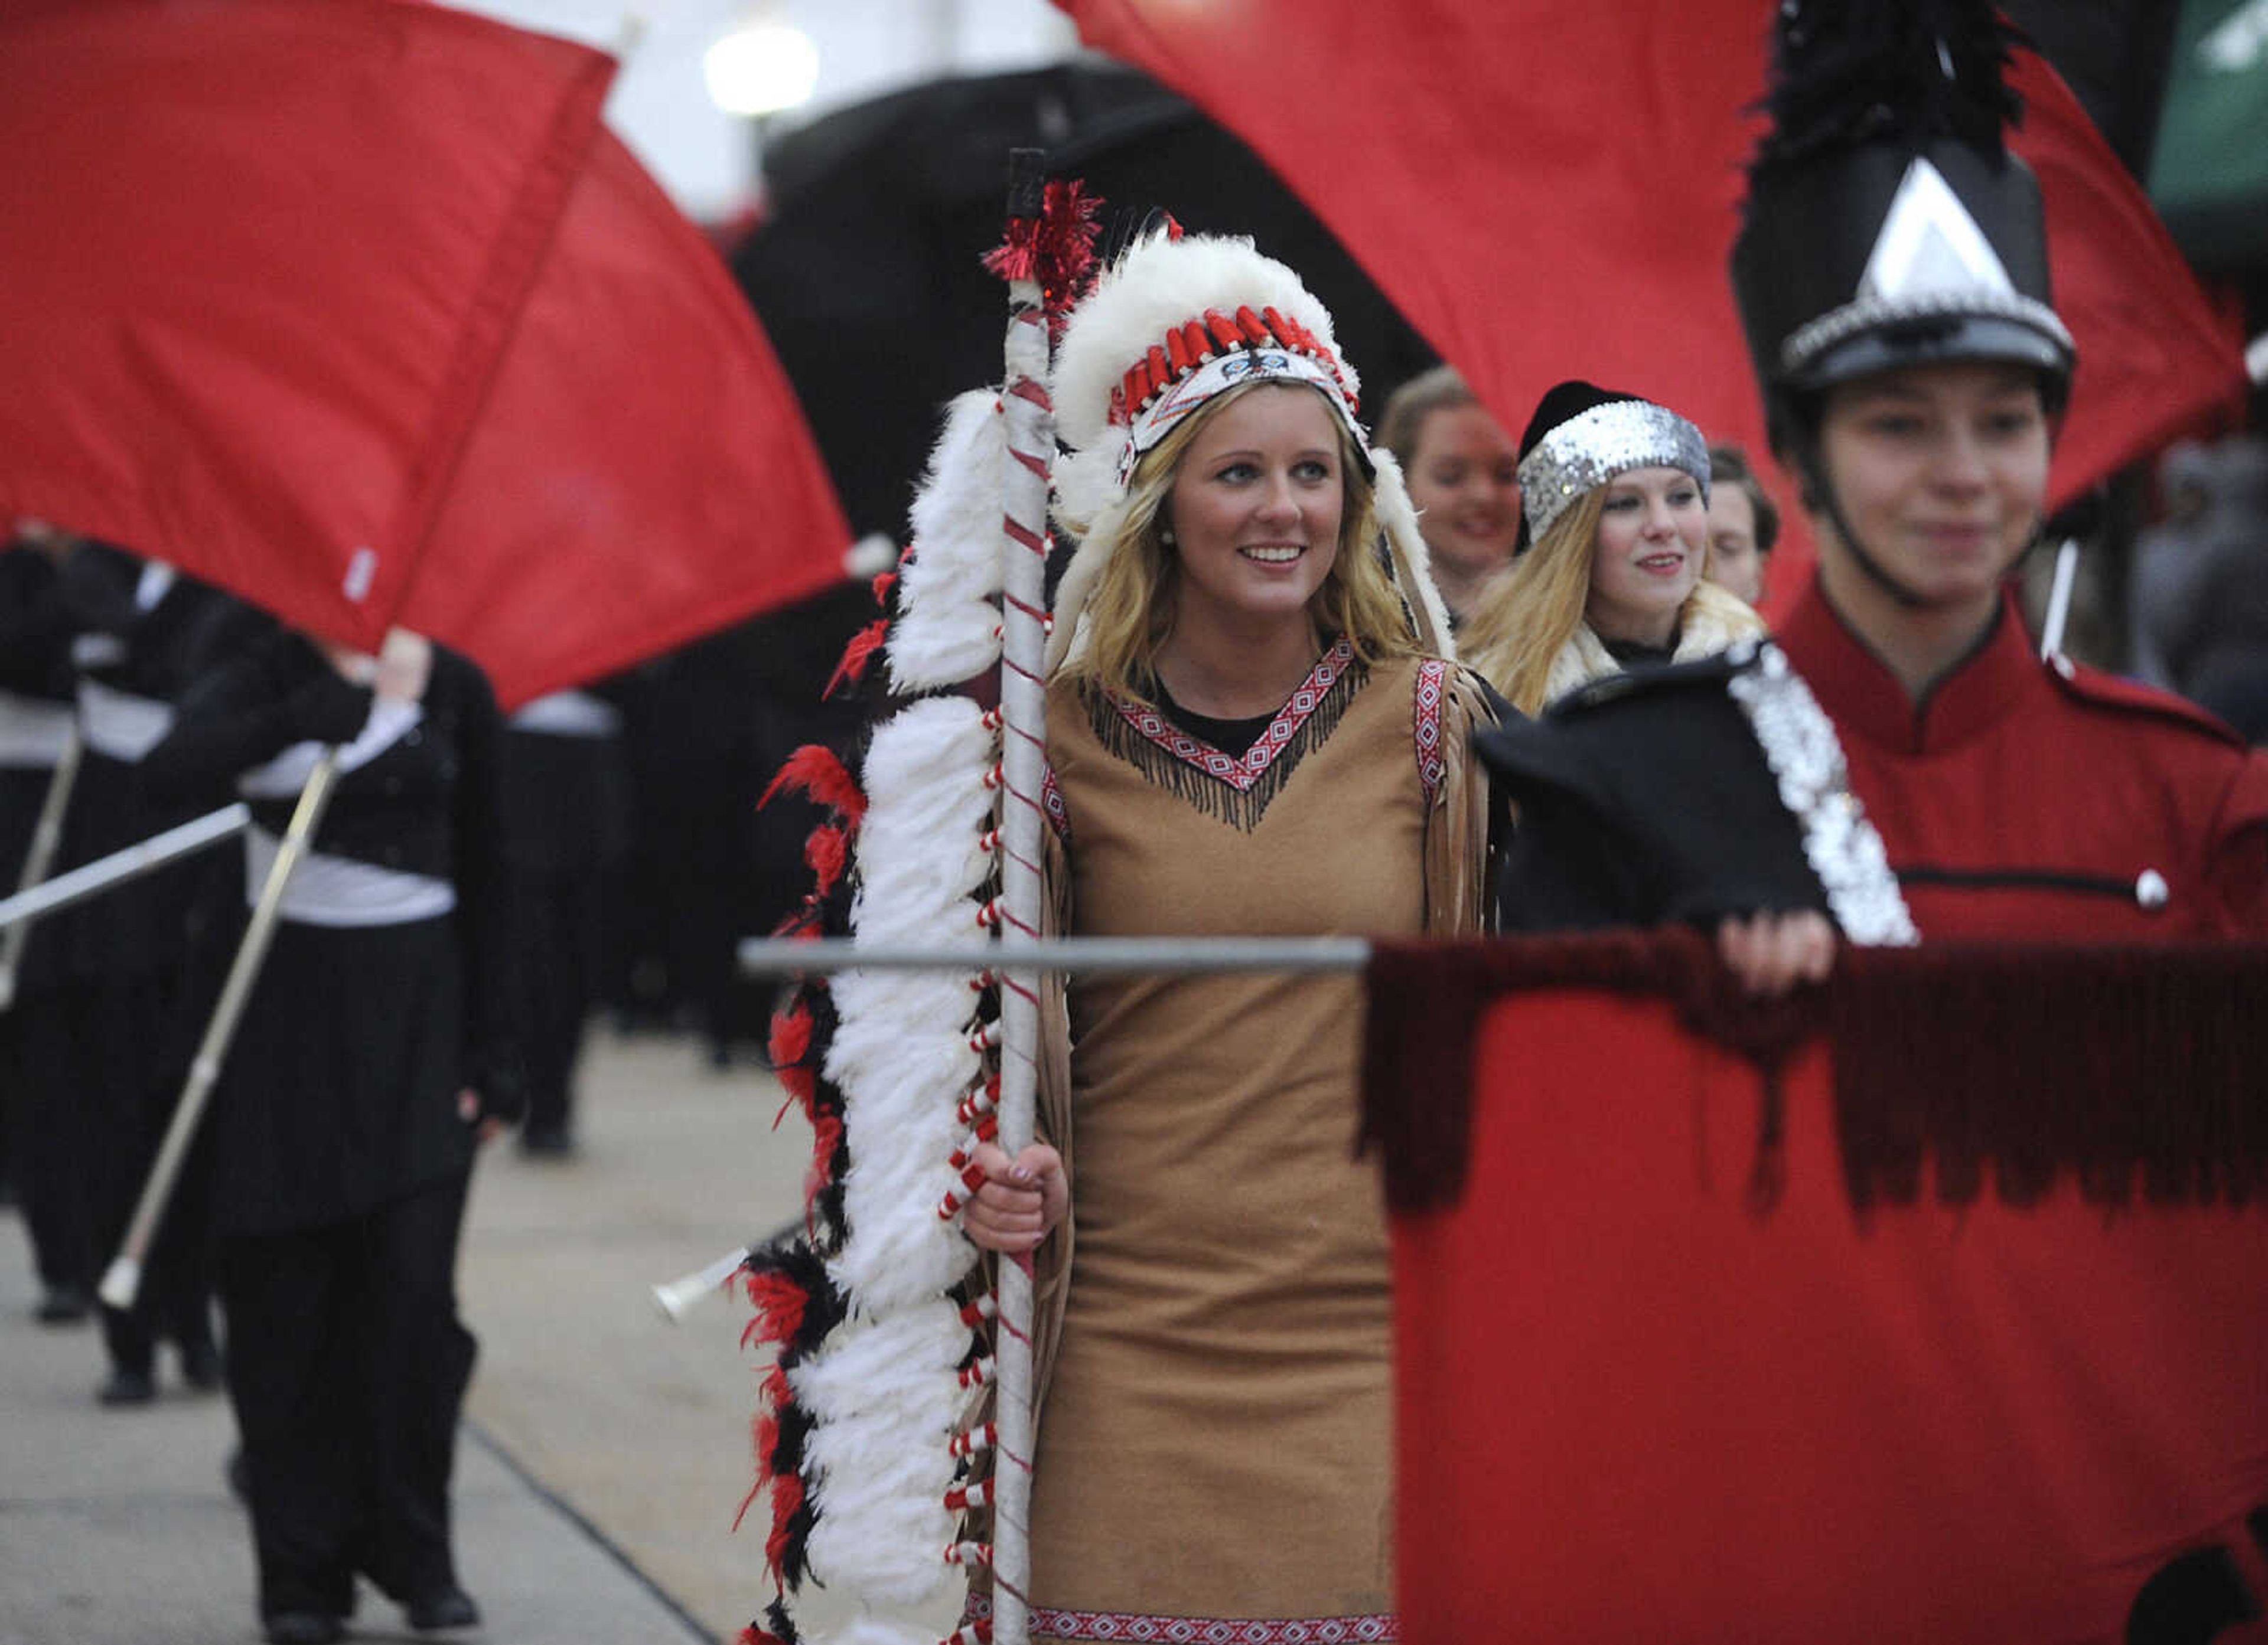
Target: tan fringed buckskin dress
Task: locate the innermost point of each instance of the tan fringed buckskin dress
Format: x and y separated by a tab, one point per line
1216	1443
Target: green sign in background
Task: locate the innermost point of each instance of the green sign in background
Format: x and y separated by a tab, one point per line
2209	171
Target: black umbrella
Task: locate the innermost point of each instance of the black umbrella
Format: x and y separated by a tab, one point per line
868	278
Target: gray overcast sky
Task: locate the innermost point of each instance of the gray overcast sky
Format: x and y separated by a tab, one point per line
703	156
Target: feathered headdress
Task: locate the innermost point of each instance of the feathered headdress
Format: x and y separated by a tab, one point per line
1886	223
1177	321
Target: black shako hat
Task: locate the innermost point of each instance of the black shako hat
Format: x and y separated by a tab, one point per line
1887	225
1582	435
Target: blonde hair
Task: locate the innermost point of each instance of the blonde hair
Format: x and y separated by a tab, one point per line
1533	609
1130	613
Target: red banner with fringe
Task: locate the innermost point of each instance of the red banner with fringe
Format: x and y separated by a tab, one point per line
1659	1379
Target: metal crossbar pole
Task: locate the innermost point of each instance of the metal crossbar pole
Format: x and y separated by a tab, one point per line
145	856
1087	955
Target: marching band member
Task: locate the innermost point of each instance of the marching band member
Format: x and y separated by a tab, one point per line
1743	525
1892	277
1463	478
142	632
1245	735
1615	495
44	1122
373	1056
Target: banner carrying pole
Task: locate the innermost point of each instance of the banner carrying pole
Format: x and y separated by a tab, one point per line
1030	417
122	1281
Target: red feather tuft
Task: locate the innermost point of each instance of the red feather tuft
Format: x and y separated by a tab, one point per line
826	854
787	1496
858	655
791	1036
818	771
1055	251
779	1303
884	582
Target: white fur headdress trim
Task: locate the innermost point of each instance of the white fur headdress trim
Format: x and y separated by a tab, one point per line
1159	285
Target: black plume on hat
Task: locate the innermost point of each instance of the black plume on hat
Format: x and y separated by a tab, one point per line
1886	223
1853	72
1561	403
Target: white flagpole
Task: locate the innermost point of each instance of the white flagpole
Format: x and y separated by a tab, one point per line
2059	612
47	835
122	1281
1023	710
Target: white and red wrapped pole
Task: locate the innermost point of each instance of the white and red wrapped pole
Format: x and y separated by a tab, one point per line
1030	417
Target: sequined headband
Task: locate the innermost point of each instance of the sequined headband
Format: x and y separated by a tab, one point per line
1594	446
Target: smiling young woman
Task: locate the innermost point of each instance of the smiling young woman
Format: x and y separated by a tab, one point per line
1246	734
1463	474
1616	498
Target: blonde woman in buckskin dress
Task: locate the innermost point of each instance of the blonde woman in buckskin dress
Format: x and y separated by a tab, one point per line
1250	731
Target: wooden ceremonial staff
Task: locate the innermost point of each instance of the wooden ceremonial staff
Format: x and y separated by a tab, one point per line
1030	418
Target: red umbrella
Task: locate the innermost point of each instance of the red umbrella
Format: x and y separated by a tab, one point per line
1552	191
356	310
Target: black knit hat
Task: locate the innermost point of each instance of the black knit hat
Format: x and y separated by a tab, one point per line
1886	223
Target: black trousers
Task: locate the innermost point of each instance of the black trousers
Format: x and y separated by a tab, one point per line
48	1144
563	951
128	1060
346	1367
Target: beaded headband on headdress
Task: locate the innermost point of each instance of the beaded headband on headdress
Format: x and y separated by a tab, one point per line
1592	447
1214	354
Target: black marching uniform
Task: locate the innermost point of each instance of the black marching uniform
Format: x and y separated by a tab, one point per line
125	1003
43	1130
342	1161
566	796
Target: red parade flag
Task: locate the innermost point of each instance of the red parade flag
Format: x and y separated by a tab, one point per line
630	490
1637	1400
355	310
1549	191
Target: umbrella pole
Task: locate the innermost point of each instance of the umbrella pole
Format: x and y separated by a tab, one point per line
122	1281
1023	710
46	837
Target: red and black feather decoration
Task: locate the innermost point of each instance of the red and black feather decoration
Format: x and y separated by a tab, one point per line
818	771
1054	250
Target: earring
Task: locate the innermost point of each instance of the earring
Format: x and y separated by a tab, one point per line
1166	535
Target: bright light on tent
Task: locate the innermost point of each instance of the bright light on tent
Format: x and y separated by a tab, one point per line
761	70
